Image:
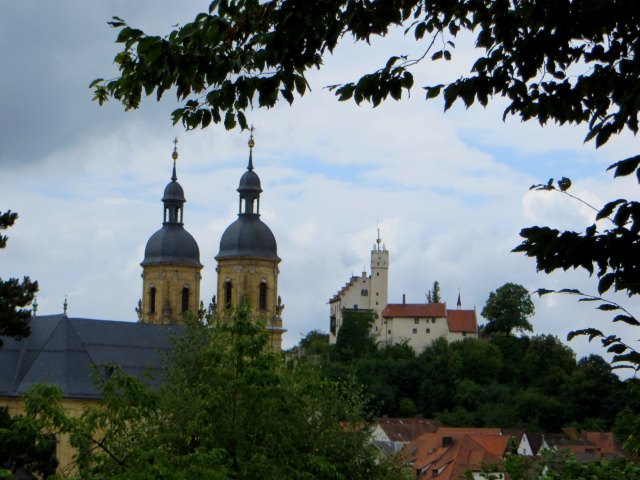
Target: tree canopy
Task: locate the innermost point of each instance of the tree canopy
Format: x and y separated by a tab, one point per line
228	408
508	309
564	61
14	294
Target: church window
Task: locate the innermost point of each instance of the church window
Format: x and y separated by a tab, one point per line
364	292
415	330
263	296
228	288
152	300
185	299
377	274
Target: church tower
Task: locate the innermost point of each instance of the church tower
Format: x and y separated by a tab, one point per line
171	265
248	259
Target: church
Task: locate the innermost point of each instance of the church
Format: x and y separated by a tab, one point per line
64	351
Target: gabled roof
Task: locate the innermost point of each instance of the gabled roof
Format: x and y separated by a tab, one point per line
406	429
448	453
415	310
64	352
462	321
346	287
606	442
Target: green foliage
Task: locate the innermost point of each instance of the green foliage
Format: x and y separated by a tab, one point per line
14	294
507	309
315	343
567	62
612	254
353	337
564	466
228	408
433	296
24	448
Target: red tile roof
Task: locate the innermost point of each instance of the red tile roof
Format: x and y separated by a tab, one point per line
414	310
406	429
462	321
466	450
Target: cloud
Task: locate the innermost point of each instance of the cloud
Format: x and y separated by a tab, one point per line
448	191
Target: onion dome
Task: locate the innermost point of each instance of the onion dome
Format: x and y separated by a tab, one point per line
172	243
248	236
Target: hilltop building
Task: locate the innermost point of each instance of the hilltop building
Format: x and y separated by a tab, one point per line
417	324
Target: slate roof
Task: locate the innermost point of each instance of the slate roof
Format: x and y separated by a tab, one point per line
417	310
462	321
406	429
62	351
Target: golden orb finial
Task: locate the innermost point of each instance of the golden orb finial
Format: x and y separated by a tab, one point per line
174	155
251	142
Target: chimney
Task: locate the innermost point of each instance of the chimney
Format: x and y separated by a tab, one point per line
404	299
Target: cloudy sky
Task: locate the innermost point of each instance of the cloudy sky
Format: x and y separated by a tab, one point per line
450	192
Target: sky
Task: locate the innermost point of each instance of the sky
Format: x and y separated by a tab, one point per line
448	191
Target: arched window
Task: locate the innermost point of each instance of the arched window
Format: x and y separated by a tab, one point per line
152	299
263	296
228	288
185	299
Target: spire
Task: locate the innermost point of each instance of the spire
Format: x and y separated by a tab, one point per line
251	144
65	305
174	155
34	305
459	301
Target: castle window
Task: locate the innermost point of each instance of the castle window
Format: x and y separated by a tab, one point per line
364	292
428	330
416	321
415	330
185	299
263	296
228	288
152	300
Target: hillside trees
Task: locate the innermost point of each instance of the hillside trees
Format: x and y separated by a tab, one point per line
14	294
228	408
507	309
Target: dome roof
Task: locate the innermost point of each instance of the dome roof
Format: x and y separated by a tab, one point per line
173	192
172	244
249	182
248	236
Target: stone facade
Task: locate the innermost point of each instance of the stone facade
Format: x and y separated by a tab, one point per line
168	292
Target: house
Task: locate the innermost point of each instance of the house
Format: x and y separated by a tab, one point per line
390	435
450	453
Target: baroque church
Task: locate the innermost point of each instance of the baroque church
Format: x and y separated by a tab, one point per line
64	351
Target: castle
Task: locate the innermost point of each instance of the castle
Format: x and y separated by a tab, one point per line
416	324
